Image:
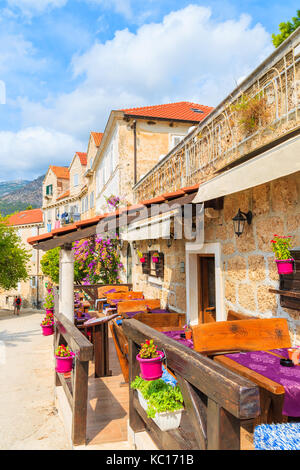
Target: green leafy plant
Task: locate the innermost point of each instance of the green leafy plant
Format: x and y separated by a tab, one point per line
252	112
286	29
148	350
161	397
281	247
48	321
63	351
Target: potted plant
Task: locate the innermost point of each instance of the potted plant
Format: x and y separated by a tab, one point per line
49	303
187	331
49	287
155	257
150	360
141	257
281	247
64	359
162	402
47	326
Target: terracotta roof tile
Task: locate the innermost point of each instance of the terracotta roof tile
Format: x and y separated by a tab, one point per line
97	136
62	196
61	172
183	111
83	158
33	216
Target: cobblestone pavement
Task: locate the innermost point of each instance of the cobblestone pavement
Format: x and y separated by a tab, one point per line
28	419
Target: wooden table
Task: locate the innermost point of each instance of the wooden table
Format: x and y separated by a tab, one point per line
271	393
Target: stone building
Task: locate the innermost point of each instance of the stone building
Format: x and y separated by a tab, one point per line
134	140
28	223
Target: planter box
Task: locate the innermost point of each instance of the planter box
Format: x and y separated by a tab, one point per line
165	421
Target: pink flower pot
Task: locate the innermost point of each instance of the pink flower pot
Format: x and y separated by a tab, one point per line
285	266
49	311
64	364
151	369
155	259
48	330
142	260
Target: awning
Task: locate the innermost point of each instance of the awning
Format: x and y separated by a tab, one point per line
280	161
155	227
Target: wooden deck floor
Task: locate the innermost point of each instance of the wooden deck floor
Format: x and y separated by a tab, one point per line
108	404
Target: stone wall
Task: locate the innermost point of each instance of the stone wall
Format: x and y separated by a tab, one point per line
248	262
171	290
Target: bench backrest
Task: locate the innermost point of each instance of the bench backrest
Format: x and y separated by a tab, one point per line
138	305
159	320
241	335
102	290
130	295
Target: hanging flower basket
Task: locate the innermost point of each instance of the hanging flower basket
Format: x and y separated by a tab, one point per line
285	266
49	311
150	360
143	260
64	359
48	330
155	258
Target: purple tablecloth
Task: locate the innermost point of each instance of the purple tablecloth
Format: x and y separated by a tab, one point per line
176	335
116	301
84	316
269	366
132	314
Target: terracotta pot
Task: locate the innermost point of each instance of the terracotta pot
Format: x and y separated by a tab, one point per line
188	334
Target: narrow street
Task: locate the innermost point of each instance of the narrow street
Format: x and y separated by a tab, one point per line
28	419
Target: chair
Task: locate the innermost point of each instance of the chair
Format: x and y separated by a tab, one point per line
137	306
241	335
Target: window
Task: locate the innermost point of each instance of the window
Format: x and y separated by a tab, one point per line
49	190
76	179
82	206
92	202
176	139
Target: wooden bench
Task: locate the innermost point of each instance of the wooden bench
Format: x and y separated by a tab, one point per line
232	316
130	295
137	306
247	335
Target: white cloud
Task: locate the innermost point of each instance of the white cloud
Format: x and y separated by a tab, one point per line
31	7
187	56
29	152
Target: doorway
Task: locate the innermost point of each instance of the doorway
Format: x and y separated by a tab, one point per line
207	289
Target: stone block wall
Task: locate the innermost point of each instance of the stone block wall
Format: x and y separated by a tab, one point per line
248	262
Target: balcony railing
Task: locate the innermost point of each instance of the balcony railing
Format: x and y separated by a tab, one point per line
221	138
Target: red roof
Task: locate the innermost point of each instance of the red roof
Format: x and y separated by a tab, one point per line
61	172
82	157
182	111
33	216
94	221
62	196
97	136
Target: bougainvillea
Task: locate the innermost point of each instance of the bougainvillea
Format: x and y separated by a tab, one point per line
98	260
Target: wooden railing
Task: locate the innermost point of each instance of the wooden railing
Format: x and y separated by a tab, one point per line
216	400
75	387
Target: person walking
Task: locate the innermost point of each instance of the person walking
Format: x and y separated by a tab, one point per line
18	304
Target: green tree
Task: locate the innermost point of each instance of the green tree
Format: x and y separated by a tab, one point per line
13	257
50	266
286	29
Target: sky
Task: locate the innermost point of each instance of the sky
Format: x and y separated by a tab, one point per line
65	64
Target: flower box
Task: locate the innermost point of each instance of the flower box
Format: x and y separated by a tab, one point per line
285	266
165	421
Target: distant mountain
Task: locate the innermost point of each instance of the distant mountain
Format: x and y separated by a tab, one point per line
17	196
7	187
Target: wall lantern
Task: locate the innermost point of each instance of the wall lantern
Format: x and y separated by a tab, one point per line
134	245
149	243
239	221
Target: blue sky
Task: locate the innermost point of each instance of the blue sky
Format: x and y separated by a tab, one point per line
67	63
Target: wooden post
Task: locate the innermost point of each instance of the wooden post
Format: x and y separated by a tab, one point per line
66	295
80	396
223	429
135	421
